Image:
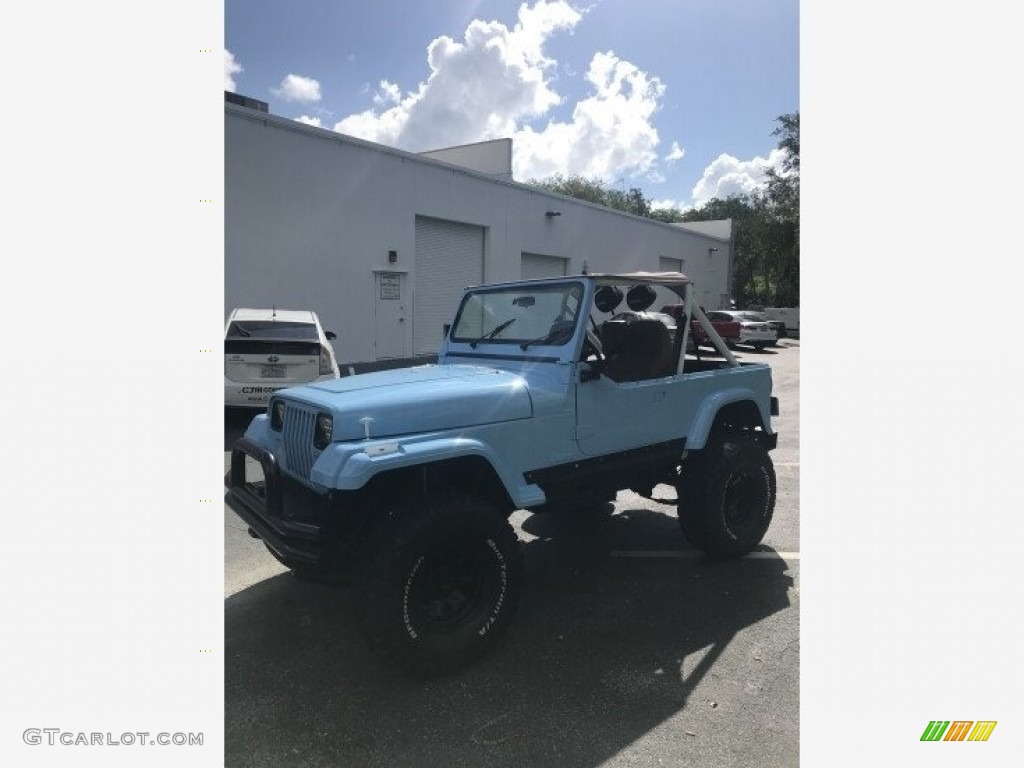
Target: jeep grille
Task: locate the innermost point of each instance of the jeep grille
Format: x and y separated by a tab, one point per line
297	434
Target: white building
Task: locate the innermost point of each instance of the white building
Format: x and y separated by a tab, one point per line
380	242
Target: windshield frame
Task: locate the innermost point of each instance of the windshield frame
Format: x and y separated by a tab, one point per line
518	333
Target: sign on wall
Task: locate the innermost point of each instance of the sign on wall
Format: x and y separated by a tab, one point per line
390	285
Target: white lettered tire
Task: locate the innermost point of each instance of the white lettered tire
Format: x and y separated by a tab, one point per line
438	583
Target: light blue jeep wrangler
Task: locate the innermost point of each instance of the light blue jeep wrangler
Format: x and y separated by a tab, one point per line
543	399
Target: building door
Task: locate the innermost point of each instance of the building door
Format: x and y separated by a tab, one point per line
534	266
449	257
390	301
665	264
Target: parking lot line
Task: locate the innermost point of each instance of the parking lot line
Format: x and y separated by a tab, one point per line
686	553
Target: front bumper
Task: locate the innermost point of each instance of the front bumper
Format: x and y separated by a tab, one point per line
290	518
752	337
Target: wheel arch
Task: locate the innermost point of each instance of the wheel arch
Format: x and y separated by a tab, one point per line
731	411
470	474
347	467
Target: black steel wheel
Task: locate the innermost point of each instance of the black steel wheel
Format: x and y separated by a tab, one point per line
726	496
438	584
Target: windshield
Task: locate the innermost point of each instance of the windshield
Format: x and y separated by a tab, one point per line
271	329
757	317
541	314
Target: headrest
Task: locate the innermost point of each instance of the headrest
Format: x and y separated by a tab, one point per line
613	334
607	298
640	297
647	335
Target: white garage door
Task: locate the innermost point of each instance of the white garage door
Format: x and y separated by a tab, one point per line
665	264
535	266
449	256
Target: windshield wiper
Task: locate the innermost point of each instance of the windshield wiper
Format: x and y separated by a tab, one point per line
560	328
491	334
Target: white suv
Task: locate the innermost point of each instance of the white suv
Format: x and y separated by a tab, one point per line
268	349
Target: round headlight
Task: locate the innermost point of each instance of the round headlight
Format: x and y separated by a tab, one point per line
322	433
277	415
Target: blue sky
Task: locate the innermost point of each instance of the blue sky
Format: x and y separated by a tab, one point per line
677	97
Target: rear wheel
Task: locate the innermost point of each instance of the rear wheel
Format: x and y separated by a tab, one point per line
439	584
727	496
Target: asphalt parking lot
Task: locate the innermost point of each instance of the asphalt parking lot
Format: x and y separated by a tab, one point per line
629	648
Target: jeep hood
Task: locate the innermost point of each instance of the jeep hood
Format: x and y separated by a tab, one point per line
426	398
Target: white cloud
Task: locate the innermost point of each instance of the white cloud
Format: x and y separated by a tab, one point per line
314	121
388	93
667	204
231	68
482	87
676	153
496	83
610	134
297	88
728	175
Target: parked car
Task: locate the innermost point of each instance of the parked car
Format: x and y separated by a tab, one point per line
726	327
761	317
755	333
268	349
788	315
402	481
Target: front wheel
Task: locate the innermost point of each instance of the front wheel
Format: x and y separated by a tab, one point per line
727	496
439	584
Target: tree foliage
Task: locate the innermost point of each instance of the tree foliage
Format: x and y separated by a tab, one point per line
766	254
596	191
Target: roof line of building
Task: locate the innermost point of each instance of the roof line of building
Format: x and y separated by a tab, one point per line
343	138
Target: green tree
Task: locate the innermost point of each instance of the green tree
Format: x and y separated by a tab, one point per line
766	254
782	210
597	191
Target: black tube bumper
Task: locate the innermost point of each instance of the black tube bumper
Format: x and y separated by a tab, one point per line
263	508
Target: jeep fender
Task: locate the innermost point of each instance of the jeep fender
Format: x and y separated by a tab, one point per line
349	466
712	406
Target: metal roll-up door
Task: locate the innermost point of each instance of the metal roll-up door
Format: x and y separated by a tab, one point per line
665	264
535	266
449	256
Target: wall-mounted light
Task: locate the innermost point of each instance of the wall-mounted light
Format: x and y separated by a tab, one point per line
392	256
712	250
552	214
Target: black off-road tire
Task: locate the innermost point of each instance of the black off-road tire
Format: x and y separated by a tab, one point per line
726	496
438	583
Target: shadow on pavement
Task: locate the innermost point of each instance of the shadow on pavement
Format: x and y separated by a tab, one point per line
604	649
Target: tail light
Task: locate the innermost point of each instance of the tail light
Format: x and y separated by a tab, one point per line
325	362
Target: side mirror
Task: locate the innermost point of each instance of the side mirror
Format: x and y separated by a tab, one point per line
331	335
